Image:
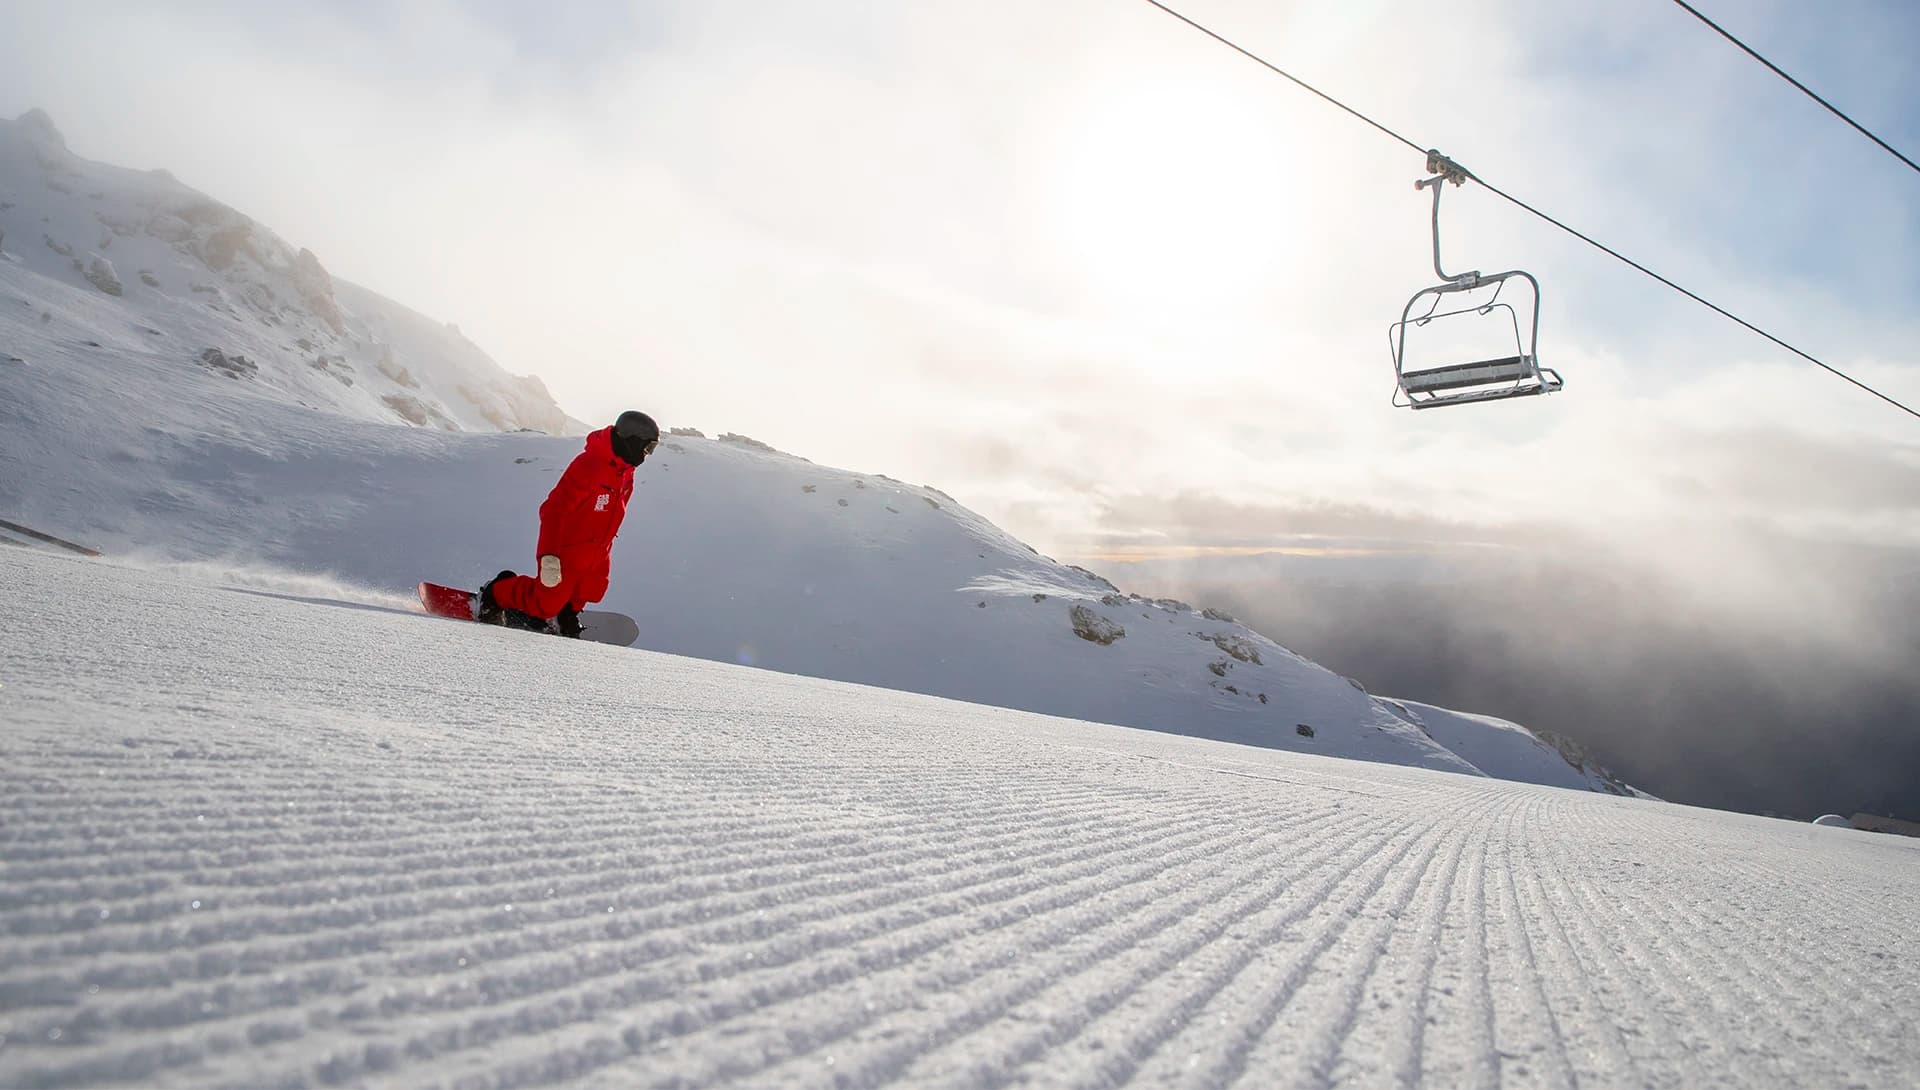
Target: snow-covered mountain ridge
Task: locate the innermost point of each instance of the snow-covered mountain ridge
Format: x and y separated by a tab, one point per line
116	430
198	281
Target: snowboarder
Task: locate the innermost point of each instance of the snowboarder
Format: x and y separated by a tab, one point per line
578	523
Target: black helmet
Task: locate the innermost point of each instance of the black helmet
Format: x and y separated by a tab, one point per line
634	436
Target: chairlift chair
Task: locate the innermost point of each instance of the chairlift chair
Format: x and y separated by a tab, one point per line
1517	375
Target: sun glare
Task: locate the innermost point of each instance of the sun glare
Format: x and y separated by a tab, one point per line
1171	198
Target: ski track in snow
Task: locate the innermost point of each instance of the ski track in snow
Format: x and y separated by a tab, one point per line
251	840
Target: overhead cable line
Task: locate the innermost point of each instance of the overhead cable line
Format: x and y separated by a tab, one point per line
1517	202
1831	108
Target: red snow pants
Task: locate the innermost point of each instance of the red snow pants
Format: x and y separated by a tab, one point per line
583	580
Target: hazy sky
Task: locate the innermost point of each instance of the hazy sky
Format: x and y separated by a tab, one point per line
1089	271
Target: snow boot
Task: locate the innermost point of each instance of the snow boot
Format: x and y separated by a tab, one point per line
485	609
567	623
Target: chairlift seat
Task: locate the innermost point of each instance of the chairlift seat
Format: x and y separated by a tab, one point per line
1458	375
1487	380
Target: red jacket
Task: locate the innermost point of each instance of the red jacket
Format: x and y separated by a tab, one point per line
583	513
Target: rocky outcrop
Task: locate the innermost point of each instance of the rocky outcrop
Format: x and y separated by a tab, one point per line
1238	647
1093	627
214	233
1577	755
520	405
748	442
398	375
418	413
231	366
168	227
334	367
220	248
40	129
49	148
100	273
391	368
316	288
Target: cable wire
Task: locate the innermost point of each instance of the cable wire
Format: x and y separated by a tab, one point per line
1518	203
1710	305
1278	71
1831	108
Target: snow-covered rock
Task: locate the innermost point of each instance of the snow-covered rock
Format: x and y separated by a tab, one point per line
1094	628
100	273
40	134
231	366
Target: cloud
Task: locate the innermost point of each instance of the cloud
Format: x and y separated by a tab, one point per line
539	180
1675	686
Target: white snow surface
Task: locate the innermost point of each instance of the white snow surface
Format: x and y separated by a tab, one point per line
259	838
1503	749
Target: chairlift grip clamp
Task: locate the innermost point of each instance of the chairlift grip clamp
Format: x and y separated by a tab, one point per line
1444	168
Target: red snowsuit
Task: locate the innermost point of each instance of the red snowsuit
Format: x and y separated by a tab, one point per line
577	524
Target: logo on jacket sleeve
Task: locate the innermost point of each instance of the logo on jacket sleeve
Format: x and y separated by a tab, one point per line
600	503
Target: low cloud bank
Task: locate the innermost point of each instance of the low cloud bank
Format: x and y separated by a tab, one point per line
1799	702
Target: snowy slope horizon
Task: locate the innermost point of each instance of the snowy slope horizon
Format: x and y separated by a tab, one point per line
118	432
197	279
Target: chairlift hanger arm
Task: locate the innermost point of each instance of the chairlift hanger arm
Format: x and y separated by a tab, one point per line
1445	170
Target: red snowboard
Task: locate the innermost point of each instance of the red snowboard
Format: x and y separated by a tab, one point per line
597	625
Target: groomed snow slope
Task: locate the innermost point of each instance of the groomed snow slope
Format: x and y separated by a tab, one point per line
251	840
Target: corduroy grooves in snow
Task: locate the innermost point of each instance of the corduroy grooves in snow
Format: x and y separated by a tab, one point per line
255	839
